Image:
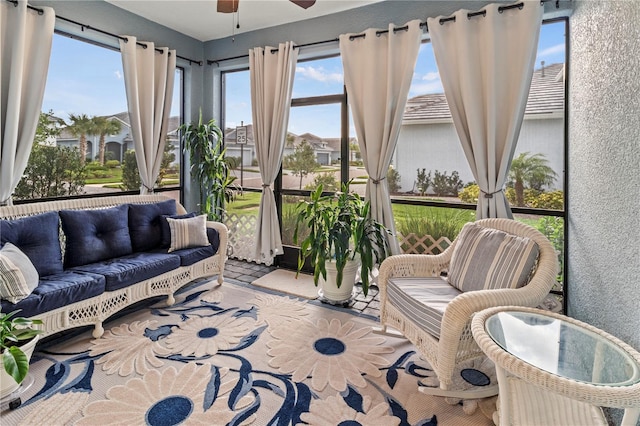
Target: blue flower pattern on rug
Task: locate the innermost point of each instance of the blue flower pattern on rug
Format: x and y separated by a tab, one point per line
210	380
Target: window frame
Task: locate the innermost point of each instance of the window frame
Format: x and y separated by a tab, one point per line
181	84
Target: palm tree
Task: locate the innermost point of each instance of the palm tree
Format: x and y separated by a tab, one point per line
81	126
103	127
533	170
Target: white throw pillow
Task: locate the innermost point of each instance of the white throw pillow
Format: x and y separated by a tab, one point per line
186	233
18	276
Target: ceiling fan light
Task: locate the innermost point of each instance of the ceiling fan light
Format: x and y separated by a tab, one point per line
228	6
305	4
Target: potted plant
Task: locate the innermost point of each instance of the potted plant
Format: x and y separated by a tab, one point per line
342	238
18	338
208	166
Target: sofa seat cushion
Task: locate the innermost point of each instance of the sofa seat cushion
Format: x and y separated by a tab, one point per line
486	258
422	300
56	291
38	237
189	256
130	269
145	223
95	235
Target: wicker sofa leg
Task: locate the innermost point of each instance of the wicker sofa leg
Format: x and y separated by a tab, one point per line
170	299
98	330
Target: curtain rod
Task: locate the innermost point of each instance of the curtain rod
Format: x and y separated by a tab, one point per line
217	61
83	26
404	28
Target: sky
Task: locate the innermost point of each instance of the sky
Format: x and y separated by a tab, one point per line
325	77
87	79
84	78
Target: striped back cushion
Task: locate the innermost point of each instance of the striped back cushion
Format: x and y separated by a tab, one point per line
189	232
18	276
486	258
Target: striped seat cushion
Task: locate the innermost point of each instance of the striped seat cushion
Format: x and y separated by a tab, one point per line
422	300
486	258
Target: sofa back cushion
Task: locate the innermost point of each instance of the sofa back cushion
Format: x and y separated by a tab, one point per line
486	258
145	224
38	237
95	235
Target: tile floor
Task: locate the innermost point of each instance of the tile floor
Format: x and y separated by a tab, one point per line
247	272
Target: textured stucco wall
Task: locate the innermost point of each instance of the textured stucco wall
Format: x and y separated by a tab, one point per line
604	167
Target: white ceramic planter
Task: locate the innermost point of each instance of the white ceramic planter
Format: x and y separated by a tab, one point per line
7	384
329	289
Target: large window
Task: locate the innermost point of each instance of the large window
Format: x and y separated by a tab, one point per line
429	168
83	144
315	152
432	188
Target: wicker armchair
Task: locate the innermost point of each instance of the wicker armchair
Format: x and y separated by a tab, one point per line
455	343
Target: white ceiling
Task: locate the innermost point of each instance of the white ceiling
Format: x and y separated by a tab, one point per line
200	20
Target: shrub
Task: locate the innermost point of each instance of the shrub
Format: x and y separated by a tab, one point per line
553	228
446	185
469	193
327	180
232	162
548	200
393	180
112	164
52	171
538	199
423	181
93	165
130	174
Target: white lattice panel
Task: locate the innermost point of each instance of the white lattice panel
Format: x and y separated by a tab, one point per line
242	241
422	244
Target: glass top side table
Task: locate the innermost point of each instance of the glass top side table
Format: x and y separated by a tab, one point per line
536	351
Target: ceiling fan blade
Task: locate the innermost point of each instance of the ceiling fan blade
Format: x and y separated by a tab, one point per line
228	6
305	4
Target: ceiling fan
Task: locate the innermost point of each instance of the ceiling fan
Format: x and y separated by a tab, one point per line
231	6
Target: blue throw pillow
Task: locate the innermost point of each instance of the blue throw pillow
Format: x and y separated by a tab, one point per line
145	224
95	235
166	231
38	237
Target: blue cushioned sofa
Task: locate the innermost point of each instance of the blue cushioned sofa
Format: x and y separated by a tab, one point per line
97	256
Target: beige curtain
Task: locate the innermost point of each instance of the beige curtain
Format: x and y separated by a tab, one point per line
377	74
271	74
148	77
25	49
486	63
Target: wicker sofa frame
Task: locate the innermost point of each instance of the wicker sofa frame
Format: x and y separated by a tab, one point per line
94	311
456	344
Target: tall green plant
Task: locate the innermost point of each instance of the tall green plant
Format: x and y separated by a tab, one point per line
208	166
340	229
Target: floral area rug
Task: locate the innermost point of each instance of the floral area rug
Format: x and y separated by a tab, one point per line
233	355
